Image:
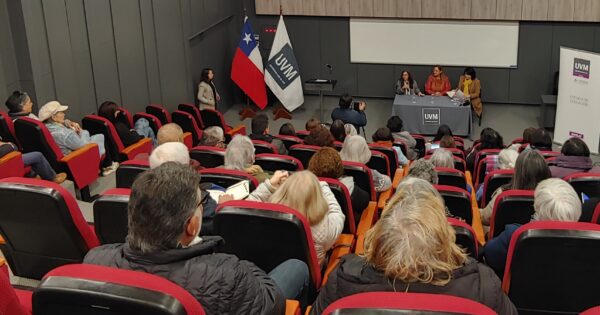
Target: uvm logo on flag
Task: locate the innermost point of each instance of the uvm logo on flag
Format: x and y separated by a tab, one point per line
283	67
581	68
431	116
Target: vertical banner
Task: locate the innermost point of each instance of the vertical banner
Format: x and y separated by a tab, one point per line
578	102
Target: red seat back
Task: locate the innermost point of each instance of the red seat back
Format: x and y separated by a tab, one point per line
34	136
188	124
226	177
379	161
363	177
7	129
274	162
303	152
289	141
451	177
128	116
587	183
342	195
110	215
458	201
159	112
392	156
511	206
128	172
100	125
264	147
208	156
195	112
493	181
465	236
9	300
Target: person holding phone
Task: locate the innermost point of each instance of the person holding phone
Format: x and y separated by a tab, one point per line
350	112
406	85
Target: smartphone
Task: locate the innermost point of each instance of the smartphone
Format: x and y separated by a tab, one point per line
435	146
584	198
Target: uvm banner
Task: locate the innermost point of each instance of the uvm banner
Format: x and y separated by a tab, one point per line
281	72
578	102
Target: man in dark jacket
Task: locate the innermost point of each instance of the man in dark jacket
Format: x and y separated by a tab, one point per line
260	131
348	115
165	214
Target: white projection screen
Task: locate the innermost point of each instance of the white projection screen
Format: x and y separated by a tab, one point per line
427	42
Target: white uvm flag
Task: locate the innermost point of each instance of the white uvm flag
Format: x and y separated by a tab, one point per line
281	71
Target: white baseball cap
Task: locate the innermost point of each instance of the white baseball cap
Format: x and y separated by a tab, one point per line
50	109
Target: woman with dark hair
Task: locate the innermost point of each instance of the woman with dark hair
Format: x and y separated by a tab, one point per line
395	125
207	91
406	85
541	140
443	130
447	142
488	139
319	136
338	130
287	129
383	137
575	158
471	88
20	105
530	169
437	83
110	111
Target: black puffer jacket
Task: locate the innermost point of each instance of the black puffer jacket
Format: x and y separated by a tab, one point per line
222	283
473	281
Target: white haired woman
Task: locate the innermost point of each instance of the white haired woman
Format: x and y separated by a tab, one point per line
412	249
355	149
303	192
442	158
554	200
240	156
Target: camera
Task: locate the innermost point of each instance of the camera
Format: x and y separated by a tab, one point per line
356	106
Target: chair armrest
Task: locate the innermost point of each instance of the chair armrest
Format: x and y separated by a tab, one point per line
367	218
292	307
142	146
308	309
398	177
3	267
476	224
10	156
83	165
84	150
383	198
12	165
359	249
342	246
239	129
188	140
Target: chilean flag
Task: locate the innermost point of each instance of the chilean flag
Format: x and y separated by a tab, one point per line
247	68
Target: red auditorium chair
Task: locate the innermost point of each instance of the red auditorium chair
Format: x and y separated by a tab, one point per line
338	145
480	169
289	141
159	112
7	128
274	162
128	172
187	124
455	151
81	165
362	176
592	311
420	146
596	214
405	303
92	289
264	147
194	111
11	165
512	206
392	156
342	195
211	117
303	152
465	236
110	215
552	267
13	301
458	202
459	163
379	162
128	116
226	177
493	181
302	134
451	177
153	121
587	183
208	156
100	125
42	227
402	145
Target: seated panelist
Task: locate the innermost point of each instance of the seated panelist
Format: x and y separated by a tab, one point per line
406	85
437	83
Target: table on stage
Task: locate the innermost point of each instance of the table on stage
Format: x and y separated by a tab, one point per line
424	114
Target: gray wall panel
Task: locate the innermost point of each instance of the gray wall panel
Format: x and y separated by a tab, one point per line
597	39
335	50
375	80
570	35
150	51
9	76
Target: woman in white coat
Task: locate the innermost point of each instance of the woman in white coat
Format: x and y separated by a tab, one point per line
208	96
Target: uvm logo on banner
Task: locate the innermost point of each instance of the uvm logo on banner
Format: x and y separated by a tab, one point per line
581	68
573	134
431	116
283	67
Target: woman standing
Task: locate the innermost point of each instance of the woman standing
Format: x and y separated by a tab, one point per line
437	82
471	87
207	92
406	85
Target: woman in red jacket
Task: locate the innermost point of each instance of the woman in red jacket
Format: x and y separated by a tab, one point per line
437	83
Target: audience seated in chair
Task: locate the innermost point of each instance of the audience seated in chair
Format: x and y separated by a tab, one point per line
442	158
383	137
319	136
36	160
303	192
505	160
555	200
530	169
412	249
574	158
111	112
541	140
395	125
19	104
240	156
338	130
213	137
447	142
312	123
165	214
169	133
287	129
260	131
355	149
488	139
424	170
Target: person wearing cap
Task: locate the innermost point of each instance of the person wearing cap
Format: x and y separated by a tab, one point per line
20	105
72	138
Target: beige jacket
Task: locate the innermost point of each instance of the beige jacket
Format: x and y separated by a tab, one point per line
205	96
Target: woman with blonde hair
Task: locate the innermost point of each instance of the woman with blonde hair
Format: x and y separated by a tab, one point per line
355	149
303	192
412	249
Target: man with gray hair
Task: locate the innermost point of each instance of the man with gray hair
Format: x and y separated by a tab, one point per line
442	158
423	169
554	200
169	152
213	137
165	214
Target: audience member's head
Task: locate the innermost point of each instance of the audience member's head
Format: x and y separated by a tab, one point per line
423	169
383	134
164	210
169	133
507	158
53	111
447	142
541	140
19	102
287	129
355	149
530	169
169	152
442	158
338	130
302	192
575	147
412	241
109	111
312	123
213	136
260	124
443	130
395	124
556	200
350	130
319	136
490	139
527	133
345	100
239	154
326	162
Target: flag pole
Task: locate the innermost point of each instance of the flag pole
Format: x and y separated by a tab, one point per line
247	111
